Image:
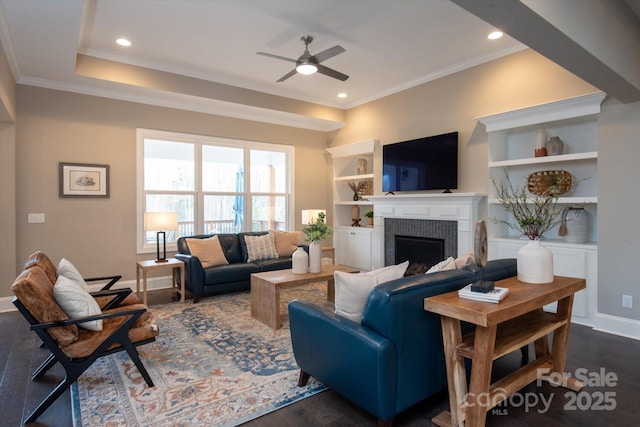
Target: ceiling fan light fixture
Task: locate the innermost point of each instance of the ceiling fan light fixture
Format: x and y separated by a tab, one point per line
306	68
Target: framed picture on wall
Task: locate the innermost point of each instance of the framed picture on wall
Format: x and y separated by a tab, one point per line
83	180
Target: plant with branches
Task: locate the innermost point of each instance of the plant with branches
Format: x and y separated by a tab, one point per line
534	215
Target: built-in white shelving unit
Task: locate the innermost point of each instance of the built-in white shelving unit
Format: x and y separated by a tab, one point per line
353	244
512	137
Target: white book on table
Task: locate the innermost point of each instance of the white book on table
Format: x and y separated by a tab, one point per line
495	296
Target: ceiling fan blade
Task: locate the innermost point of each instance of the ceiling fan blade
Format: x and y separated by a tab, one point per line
331	73
276	56
329	53
286	76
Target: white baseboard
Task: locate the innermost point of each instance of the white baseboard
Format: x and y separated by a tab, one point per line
622	326
153	283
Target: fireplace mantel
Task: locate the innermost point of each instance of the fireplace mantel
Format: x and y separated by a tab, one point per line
465	208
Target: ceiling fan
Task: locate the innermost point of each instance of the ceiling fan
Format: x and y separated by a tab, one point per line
309	64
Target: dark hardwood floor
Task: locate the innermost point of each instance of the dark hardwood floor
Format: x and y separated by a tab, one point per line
590	354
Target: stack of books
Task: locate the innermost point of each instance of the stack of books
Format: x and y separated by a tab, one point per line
495	296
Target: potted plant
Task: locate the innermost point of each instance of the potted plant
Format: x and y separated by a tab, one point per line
533	215
315	233
369	216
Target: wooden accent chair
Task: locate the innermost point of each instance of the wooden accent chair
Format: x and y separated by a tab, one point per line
123	328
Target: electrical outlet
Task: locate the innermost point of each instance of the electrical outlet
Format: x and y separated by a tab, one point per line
35	218
627	301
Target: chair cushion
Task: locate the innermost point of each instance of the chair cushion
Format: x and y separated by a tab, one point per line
286	242
260	247
208	251
353	289
42	261
146	327
34	290
77	302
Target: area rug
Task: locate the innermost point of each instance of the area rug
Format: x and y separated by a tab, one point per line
212	365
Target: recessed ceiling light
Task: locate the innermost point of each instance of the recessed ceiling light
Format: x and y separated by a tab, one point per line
123	42
342	95
495	35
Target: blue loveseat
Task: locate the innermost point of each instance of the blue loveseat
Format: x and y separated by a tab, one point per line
232	277
394	358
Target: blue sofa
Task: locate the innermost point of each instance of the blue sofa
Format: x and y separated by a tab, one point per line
394	358
232	277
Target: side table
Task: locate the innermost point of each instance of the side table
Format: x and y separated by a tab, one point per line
331	251
143	267
501	329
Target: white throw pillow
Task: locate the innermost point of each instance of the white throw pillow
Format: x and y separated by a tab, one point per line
68	270
447	264
260	247
353	289
77	302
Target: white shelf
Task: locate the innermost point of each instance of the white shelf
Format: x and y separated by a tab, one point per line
352	150
354	177
352	203
561	200
592	155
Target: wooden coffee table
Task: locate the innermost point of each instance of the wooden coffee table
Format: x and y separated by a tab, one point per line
265	290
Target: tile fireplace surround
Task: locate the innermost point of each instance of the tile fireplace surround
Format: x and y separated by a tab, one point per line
464	208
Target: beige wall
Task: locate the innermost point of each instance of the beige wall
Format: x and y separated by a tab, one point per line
7	172
98	235
618	209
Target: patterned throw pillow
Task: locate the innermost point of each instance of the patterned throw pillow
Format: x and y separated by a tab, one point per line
447	264
209	251
260	247
286	242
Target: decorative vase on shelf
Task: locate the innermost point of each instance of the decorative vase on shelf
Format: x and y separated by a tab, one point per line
574	226
300	261
555	146
541	143
361	166
315	257
535	263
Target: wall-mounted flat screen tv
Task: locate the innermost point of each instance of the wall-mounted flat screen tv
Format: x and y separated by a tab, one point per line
429	163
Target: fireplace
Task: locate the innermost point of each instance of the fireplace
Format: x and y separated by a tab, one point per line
449	217
418	250
438	238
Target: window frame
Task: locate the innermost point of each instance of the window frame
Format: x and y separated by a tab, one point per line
198	141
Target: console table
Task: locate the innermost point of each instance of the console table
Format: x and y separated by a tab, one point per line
500	329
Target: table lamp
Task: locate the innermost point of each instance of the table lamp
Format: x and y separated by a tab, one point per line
310	216
160	222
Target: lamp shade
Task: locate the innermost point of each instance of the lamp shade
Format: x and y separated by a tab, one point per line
309	216
161	221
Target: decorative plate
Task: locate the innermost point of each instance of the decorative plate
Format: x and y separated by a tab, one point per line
554	183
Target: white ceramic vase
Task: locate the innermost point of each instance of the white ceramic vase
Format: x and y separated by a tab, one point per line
315	257
535	263
300	261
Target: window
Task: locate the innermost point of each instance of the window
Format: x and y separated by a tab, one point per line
215	185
